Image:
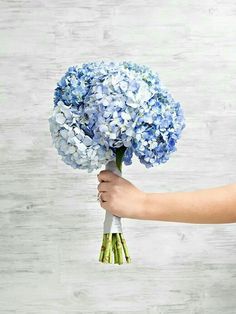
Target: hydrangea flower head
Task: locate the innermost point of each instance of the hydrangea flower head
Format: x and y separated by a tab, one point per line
102	107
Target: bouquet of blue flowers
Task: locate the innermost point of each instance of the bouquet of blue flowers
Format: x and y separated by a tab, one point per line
106	112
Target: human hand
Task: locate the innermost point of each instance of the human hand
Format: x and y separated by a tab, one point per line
120	197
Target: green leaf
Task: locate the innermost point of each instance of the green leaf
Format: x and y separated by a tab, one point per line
119	156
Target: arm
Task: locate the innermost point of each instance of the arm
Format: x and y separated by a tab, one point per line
215	205
123	199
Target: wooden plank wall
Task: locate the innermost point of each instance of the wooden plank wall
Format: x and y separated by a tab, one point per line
50	221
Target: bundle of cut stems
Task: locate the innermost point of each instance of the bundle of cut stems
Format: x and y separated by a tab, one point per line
113	246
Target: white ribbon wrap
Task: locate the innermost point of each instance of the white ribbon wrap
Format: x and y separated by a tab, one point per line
112	224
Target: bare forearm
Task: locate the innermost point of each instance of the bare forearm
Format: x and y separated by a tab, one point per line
216	205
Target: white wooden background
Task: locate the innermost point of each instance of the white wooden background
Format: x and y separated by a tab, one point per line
50	221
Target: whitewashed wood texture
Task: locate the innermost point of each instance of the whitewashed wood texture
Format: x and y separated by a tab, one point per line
50	221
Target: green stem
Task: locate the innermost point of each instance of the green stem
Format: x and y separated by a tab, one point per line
117	252
119	248
119	157
107	250
110	254
114	248
103	247
125	248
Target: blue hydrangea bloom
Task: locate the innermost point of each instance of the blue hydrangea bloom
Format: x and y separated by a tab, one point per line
102	106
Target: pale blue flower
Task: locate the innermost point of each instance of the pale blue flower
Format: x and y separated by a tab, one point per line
102	106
